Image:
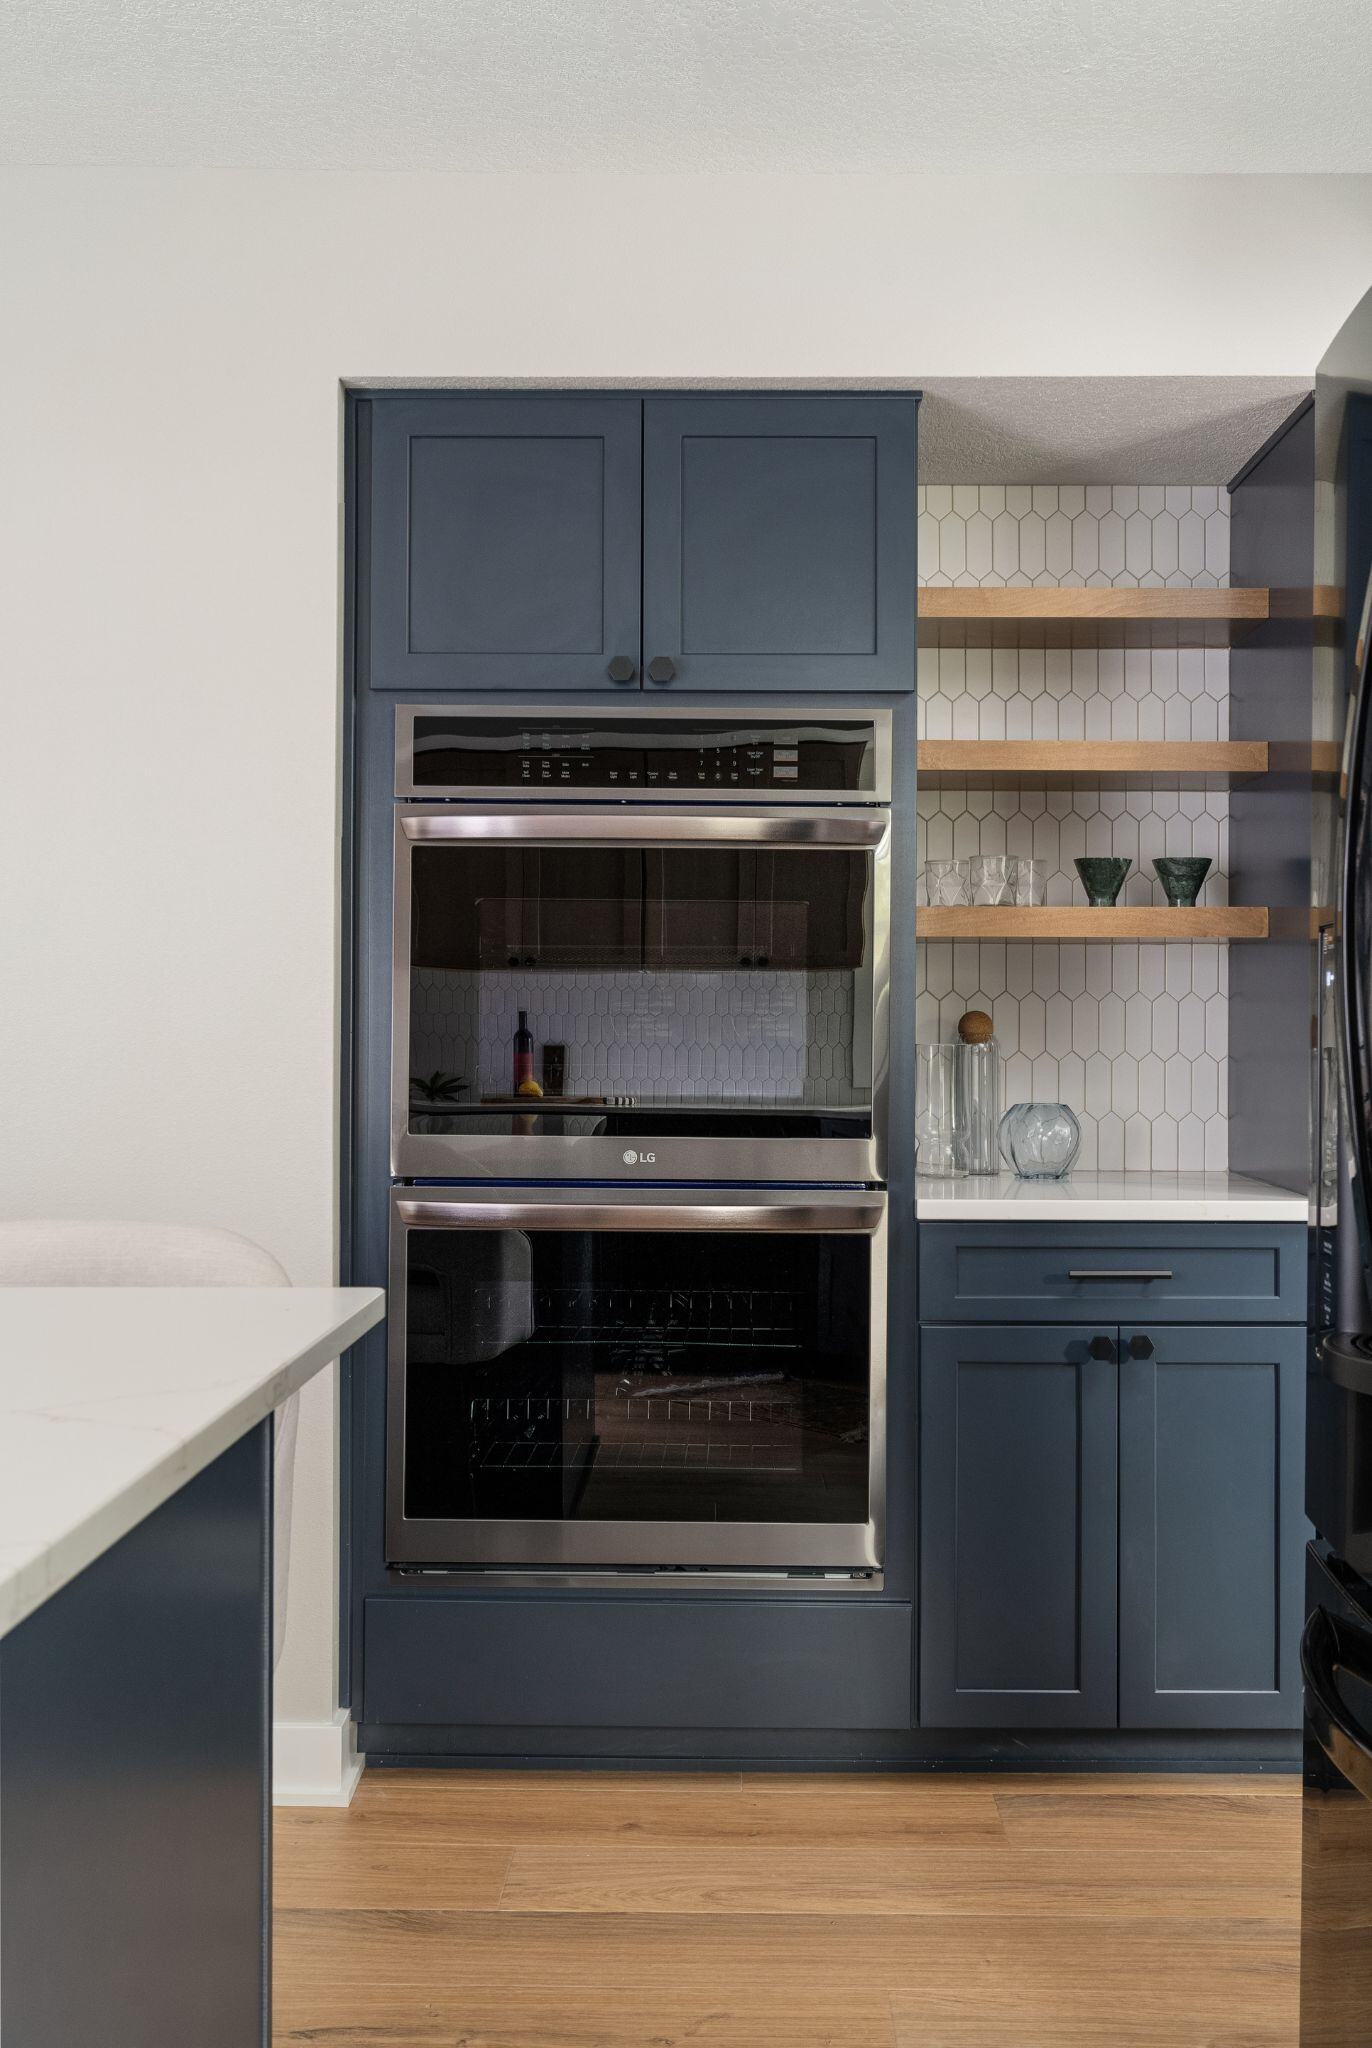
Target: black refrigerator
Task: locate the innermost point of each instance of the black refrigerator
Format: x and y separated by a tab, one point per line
1336	1646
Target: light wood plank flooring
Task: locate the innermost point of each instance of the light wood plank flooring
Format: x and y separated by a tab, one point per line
599	1910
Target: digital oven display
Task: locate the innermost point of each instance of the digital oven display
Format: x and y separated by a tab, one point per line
456	752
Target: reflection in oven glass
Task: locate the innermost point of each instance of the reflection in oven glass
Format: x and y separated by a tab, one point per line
637	1377
712	977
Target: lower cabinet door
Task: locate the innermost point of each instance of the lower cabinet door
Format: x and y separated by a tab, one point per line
1018	1522
1212	1429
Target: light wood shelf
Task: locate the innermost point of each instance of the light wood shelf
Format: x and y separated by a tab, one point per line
1172	617
1079	921
1115	764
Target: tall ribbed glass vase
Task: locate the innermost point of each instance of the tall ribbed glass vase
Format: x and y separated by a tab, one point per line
976	1104
938	1135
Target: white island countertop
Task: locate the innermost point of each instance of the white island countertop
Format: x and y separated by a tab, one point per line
113	1397
1108	1198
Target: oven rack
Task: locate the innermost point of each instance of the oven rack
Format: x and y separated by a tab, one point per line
699	1410
691	1315
681	1455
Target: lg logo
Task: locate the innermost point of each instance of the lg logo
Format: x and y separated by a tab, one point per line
640	1159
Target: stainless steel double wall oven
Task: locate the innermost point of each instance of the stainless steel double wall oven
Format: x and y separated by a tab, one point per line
639	1075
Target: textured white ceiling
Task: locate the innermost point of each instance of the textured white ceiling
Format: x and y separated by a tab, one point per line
784	85
1146	430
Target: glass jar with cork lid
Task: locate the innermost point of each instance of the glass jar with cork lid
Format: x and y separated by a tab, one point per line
977	1091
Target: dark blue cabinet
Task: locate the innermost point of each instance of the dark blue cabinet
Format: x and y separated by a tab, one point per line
570	1661
1211	1526
504	539
1126	1272
606	543
1111	1515
1018	1529
779	542
135	1781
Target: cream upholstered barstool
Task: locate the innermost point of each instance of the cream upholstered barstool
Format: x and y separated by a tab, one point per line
162	1255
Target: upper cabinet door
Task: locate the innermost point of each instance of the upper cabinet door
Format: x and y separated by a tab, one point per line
504	538
779	543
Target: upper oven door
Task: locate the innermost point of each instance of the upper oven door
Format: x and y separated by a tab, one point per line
717	982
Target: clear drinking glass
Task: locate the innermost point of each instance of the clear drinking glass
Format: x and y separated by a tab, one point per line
939	1139
977	1104
945	881
1031	880
993	877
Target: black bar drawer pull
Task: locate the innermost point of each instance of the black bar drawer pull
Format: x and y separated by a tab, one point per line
1125	1273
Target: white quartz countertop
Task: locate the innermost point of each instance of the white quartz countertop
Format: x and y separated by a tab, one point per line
1108	1198
113	1397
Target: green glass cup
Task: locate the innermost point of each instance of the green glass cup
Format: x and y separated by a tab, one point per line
1181	877
1102	878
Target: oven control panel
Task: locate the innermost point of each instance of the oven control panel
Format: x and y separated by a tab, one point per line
455	753
768	765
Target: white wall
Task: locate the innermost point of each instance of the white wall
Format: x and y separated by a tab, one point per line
169	488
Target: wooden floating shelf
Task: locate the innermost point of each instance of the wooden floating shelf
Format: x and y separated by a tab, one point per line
1090	617
1078	921
1045	602
1115	764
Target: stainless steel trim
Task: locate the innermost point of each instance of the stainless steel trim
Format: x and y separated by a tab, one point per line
592	1155
1118	1273
624	713
740	1546
721	1581
593	826
816	1210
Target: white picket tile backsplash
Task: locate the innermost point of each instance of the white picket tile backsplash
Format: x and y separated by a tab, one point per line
1134	1038
761	1036
1142	536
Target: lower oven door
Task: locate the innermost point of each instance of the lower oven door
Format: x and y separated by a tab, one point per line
614	1380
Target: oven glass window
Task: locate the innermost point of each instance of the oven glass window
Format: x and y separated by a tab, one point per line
636	1376
697	981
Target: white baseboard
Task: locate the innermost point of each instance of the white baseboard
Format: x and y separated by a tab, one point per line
315	1763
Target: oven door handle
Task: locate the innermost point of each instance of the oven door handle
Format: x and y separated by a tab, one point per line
1327	1647
590	825
849	1214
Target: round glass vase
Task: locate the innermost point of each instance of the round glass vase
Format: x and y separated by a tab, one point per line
1039	1140
940	1147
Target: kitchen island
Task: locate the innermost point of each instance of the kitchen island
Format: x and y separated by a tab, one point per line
136	1653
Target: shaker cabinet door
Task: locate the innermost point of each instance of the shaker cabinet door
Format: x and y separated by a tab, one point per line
778	542
1212	1468
1018	1507
504	538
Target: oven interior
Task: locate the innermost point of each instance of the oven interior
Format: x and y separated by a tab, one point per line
637	1376
716	981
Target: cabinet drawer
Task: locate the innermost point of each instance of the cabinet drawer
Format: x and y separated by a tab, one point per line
1049	1272
574	1662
